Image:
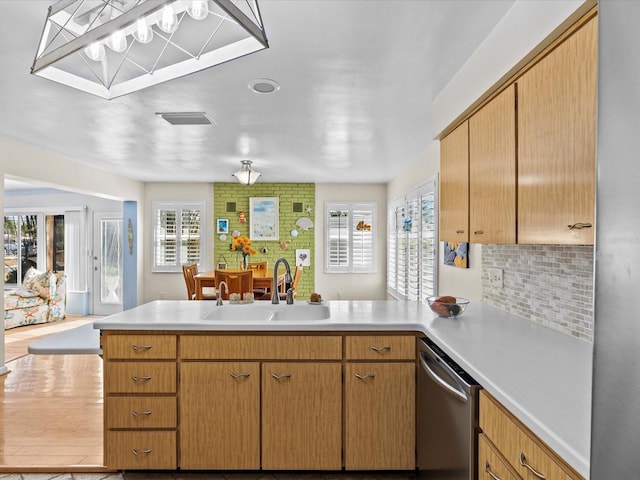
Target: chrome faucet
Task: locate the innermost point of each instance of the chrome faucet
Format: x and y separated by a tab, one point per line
275	298
226	287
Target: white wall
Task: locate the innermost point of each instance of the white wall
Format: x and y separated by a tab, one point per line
357	286
171	286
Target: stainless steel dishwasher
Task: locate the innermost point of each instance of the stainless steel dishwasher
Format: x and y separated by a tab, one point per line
447	417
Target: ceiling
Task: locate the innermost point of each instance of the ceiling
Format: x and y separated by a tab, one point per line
356	83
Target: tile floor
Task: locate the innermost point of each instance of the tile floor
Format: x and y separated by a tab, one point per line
210	476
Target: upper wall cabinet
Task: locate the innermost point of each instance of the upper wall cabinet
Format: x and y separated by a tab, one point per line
556	143
492	171
454	185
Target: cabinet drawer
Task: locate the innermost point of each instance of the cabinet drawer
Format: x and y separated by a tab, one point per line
153	347
490	465
260	347
140	377
141	412
520	447
141	450
380	347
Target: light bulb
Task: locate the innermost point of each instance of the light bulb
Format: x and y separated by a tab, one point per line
95	51
169	21
198	9
117	41
143	32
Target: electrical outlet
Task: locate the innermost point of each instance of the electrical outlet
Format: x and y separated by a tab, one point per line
161	295
495	278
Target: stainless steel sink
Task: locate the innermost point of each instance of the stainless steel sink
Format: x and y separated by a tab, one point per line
265	312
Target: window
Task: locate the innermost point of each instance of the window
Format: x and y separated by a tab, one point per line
413	244
349	231
176	234
20	246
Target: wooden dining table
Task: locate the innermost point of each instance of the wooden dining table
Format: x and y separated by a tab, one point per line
264	281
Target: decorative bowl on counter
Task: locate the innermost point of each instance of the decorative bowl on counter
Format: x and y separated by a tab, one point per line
447	306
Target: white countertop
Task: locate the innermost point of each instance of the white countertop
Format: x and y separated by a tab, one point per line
541	376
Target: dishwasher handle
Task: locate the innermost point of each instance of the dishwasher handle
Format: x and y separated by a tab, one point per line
459	394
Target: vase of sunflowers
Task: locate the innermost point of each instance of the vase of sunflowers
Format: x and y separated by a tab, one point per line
242	246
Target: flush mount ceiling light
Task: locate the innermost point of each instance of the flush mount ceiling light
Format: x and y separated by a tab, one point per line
264	85
111	48
246	175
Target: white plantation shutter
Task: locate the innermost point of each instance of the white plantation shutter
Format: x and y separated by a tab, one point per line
177	235
412	244
350	246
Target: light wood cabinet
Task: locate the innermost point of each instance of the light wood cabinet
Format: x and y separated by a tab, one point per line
529	457
556	143
454	185
490	462
492	171
220	415
140	388
380	416
204	401
301	416
379	395
522	168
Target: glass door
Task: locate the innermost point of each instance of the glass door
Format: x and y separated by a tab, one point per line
107	259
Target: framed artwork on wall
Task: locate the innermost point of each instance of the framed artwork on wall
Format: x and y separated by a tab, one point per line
222	225
264	218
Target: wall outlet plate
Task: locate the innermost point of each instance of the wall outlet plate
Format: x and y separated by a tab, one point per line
496	279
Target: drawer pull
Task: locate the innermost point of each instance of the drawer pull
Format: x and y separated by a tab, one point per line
523	462
137	414
280	377
364	377
487	468
380	349
478	232
459	231
141	347
135	379
136	452
238	375
579	226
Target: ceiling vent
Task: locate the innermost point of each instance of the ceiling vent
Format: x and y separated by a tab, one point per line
186	118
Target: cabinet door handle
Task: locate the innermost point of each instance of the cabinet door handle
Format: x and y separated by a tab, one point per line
380	349
238	375
135	378
579	226
487	468
478	232
459	231
523	462
141	347
280	377
136	452
137	414
364	377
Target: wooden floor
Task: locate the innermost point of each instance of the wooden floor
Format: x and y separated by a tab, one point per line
51	421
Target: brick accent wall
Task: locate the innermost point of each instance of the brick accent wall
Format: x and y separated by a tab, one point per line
288	194
551	285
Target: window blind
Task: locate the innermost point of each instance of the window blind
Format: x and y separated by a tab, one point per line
177	235
350	245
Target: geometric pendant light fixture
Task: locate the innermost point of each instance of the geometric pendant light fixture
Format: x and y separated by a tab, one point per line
111	48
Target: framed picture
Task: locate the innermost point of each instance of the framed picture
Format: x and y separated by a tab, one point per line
222	225
264	218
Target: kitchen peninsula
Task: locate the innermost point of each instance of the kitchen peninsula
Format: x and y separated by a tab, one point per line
542	377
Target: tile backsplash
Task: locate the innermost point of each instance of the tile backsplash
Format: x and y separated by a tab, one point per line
551	285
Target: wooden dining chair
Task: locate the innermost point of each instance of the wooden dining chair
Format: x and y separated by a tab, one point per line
189	272
237	282
294	284
260	269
